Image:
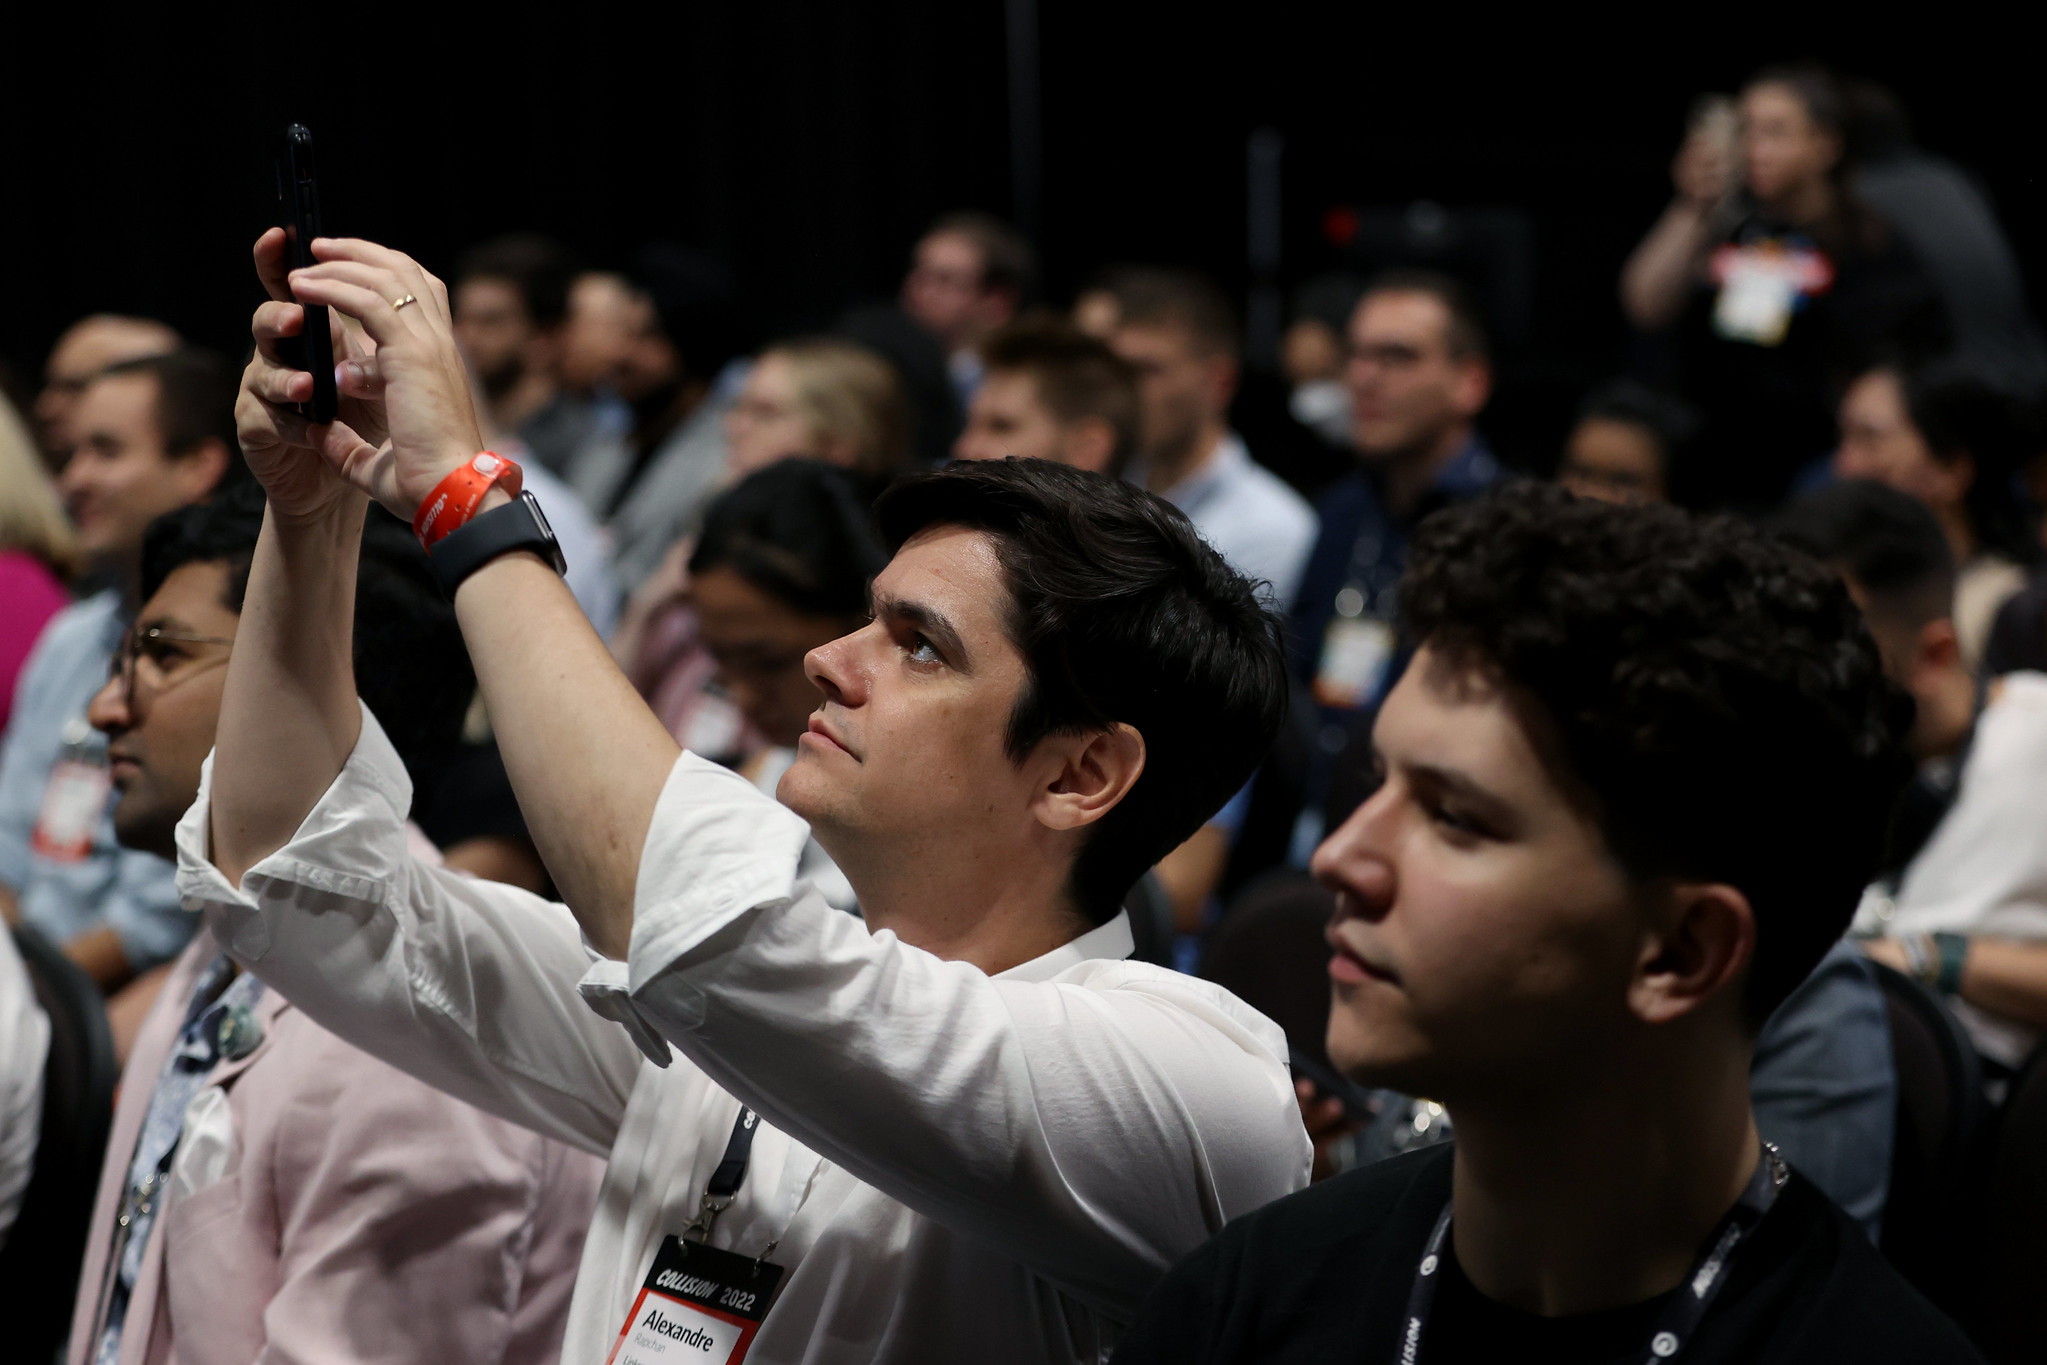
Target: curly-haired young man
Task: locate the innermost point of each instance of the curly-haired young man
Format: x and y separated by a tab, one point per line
1632	786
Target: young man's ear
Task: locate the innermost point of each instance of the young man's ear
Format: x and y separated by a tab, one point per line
1092	772
1696	950
200	469
1089	444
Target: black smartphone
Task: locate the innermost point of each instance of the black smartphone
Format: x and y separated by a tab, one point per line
298	202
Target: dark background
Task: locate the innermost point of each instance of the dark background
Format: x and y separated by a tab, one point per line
808	143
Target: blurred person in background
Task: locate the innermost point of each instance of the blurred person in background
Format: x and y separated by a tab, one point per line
1626	443
1095	308
1313	352
1052	392
1178	333
819	398
782	567
87	347
1419	371
152	435
970	274
1943	212
648	484
815	398
1773	281
1961	903
511	302
270	1192
1948	436
37	551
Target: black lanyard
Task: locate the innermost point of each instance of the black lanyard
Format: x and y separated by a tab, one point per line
1688	1303
729	1175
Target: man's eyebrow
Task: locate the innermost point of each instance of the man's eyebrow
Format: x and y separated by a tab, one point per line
928	620
1461	785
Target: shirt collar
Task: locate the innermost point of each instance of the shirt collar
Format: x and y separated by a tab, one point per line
1225	459
1111	940
1471	470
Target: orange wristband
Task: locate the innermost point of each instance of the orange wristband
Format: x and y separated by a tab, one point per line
455	499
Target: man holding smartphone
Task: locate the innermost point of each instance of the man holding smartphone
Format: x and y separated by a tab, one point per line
967	1128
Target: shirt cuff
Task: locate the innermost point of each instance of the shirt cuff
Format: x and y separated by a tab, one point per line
339	849
716	849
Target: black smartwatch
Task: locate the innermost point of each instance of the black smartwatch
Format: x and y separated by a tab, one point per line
518	525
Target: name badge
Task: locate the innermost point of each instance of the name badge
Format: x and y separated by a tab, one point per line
73	801
1355	652
698	1304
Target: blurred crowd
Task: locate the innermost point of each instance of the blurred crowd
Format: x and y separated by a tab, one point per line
1829	339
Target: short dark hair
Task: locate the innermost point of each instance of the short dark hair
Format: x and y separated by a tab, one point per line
1150	296
541	269
411	667
1007	259
697	303
1708	696
801	531
1077	376
1668	419
1123	614
1465	336
1886	542
1962	412
195	403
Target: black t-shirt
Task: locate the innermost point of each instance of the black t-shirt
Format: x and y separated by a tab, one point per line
1323	1276
1767	395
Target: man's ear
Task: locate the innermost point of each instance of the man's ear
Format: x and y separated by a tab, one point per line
1089	444
1093	772
1697	949
1938	647
199	470
1473	386
1223	374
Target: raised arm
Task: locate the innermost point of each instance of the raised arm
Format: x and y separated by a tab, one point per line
1661	271
585	755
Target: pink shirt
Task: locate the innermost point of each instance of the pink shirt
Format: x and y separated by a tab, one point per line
326	1207
29	596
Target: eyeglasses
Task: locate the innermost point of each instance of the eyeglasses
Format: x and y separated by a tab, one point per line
158	659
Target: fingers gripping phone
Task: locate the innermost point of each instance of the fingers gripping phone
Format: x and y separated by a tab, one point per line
298	203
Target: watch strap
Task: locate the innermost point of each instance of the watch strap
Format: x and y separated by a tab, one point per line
518	525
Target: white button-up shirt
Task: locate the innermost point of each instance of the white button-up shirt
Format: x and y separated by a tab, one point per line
952	1166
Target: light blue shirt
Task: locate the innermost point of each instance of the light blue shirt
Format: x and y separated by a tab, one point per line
1261	527
583	546
111	887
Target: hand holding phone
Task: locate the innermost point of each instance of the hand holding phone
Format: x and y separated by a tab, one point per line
299	207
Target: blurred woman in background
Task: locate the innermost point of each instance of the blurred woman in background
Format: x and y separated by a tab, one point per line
1948	436
781	566
1769	283
37	553
823	399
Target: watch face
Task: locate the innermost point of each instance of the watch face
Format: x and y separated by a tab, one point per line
554	549
540	517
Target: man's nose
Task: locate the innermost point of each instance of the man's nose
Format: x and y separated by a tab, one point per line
835	669
1356	858
108	711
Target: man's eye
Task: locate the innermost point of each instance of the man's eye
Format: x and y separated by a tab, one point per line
922	651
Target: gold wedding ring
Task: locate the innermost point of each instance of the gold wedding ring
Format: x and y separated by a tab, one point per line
409	298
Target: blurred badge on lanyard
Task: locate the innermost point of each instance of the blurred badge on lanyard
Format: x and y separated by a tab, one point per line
74	798
1356	648
1763	285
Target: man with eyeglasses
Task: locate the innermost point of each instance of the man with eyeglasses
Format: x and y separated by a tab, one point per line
149	435
269	1191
